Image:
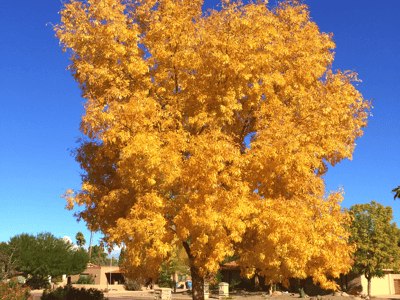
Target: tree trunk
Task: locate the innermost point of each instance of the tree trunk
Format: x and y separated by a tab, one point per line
257	282
90	244
98	261
175	281
197	280
369	285
197	284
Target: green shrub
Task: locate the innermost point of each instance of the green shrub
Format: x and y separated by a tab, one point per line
233	284
218	279
165	281
12	284
71	293
302	293
85	280
57	279
37	283
15	291
132	285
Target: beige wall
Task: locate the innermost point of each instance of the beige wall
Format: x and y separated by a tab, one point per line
119	287
105	274
379	286
101	275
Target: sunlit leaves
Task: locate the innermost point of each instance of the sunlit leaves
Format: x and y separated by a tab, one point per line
172	93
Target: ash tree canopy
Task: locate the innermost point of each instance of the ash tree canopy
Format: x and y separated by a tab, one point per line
171	95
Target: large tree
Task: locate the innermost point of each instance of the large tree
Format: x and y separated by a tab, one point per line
212	131
45	255
376	237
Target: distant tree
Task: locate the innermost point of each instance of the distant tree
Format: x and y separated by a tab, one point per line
178	262
122	256
80	239
103	260
376	238
396	192
8	260
113	261
46	255
95	259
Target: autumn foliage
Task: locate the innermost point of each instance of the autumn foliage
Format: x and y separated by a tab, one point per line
15	291
212	131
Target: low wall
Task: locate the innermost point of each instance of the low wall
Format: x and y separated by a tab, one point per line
118	287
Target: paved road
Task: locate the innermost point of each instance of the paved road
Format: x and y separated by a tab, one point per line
149	295
119	295
37	297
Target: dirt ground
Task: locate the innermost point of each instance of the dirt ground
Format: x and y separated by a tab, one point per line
183	295
289	296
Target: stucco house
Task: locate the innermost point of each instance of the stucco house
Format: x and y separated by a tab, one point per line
352	283
388	285
102	275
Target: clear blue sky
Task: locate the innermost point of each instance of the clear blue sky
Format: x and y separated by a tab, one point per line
41	109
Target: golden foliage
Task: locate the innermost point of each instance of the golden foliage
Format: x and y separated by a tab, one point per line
172	93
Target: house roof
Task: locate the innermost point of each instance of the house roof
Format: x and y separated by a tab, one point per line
115	272
232	265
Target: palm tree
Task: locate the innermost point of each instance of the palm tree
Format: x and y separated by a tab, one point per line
91	237
397	192
80	239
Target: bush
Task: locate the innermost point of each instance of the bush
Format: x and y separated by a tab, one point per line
233	284
37	283
56	279
214	283
71	293
85	280
132	285
14	290
302	293
165	281
21	279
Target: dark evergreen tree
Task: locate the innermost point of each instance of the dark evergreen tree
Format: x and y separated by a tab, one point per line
46	255
376	238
